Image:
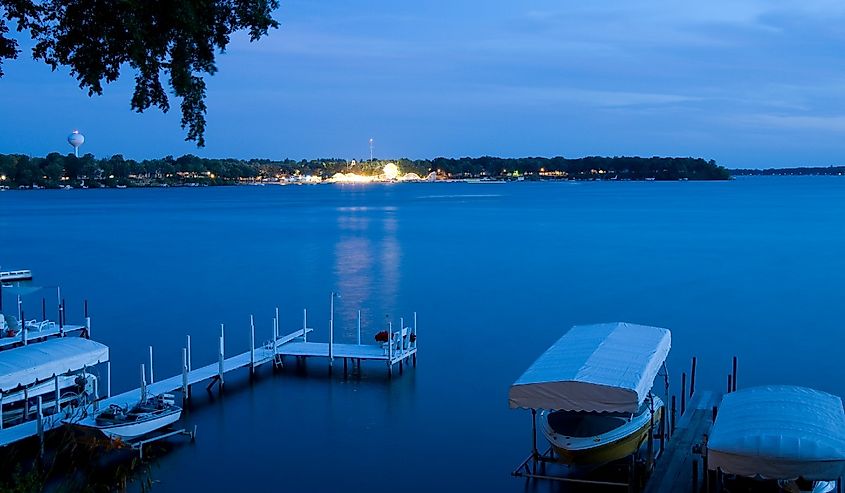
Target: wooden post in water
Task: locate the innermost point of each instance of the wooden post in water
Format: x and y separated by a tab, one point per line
184	375
143	383
43	309
304	325
40	428
730	383
24	337
220	364
683	393
359	327
276	326
733	385
672	417
251	345
152	378
695	476
415	339
692	378
57	393
188	348
390	348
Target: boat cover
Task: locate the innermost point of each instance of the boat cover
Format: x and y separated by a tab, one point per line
779	432
37	362
597	368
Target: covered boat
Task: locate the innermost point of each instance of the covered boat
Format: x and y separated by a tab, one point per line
593	386
788	434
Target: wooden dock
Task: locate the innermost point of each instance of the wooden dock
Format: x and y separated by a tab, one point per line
16	275
680	469
400	349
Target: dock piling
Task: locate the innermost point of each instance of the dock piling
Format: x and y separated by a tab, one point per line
152	379
220	364
251	345
40	428
692	378
733	384
730	383
304	325
359	327
683	393
672	417
184	375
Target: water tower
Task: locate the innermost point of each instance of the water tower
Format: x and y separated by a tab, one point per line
75	139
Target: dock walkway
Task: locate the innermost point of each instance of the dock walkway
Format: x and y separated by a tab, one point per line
674	471
400	349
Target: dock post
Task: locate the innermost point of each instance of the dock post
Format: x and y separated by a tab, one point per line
108	379
152	378
188	347
695	476
88	327
304	325
359	327
415	339
43	309
251	345
390	348
730	383
276	329
344	367
534	452
692	378
220	364
683	393
672	428
733	385
57	394
143	383
331	332
184	375
40	428
24	337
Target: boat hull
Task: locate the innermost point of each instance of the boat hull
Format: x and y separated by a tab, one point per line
129	431
603	448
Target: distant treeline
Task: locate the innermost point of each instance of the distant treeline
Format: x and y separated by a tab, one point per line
830	170
56	170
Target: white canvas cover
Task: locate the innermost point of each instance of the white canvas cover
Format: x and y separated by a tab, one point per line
606	367
39	361
779	432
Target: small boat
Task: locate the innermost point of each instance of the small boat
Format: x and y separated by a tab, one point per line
581	438
126	423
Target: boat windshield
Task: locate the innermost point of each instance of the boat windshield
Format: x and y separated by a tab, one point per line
583	424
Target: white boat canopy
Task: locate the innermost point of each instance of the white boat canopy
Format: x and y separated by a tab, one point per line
40	361
607	367
779	432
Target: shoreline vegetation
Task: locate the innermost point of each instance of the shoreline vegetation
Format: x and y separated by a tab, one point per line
55	170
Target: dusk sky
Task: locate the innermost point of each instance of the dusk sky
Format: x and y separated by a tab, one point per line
755	83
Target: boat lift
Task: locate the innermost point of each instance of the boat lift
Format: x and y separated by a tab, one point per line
586	371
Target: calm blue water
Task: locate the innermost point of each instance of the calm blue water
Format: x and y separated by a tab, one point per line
752	267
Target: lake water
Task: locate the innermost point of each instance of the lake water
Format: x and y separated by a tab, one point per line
752	267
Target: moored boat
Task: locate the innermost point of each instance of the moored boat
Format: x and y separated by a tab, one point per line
142	418
593	390
580	438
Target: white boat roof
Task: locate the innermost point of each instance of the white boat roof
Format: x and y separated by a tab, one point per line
40	361
779	432
606	367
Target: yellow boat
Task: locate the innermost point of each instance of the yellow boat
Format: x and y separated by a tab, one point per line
580	438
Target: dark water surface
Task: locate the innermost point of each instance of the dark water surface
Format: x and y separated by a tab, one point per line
752	267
